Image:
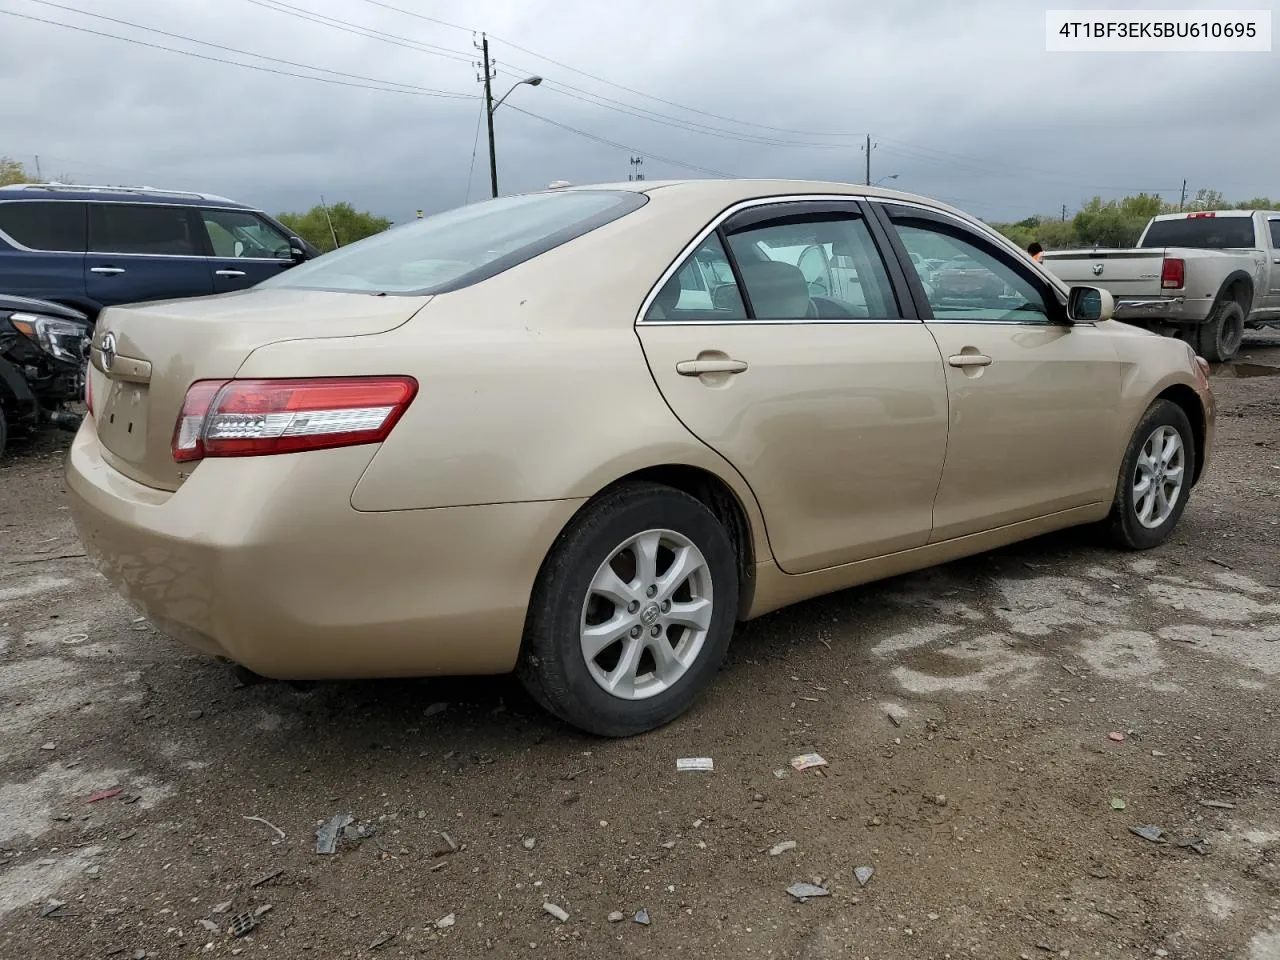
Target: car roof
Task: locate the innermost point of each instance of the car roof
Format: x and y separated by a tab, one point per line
115	194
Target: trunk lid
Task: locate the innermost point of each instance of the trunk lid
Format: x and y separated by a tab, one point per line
1122	273
157	350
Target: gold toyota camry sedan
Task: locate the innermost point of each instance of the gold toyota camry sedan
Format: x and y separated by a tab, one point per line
579	434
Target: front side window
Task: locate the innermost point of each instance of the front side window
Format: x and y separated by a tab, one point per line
240	234
703	288
820	266
57	225
142	229
1275	234
971	282
462	246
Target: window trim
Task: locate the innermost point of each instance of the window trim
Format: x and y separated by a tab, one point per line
17	245
882	210
856	204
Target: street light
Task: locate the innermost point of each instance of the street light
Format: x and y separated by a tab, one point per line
892	176
490	107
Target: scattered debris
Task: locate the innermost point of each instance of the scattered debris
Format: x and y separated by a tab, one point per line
75	638
574	774
263	910
894	719
863	875
1217	804
267	877
804	891
1221	563
529	843
210	926
940	800
641	917
704	764
453	844
382	940
267	823
1149	832
781	774
241	924
94	871
780	848
435	708
1117	736
1199	844
558	912
52	907
668	845
127	835
194	714
617	916
445	922
1117	803
807	761
221	907
327	836
49	746
105	794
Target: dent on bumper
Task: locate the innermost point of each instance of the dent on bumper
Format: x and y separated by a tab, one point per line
264	561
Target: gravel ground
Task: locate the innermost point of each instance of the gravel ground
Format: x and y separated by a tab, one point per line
981	722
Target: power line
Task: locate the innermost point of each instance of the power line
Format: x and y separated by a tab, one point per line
620	146
244	53
356	29
234	63
420	16
475	146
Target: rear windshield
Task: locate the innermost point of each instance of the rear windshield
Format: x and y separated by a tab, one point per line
1202	233
460	247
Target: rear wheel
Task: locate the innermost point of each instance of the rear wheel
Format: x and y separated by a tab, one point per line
1155	479
1219	337
4	429
632	612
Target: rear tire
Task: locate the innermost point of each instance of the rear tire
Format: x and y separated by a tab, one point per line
4	429
1219	337
616	644
1155	479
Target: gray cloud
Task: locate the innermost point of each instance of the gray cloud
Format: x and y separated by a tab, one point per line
961	100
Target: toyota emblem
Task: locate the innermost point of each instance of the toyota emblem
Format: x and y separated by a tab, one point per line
1097	269
108	351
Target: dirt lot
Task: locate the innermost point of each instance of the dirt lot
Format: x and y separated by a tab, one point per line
970	716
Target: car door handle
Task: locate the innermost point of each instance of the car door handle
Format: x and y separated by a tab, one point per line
228	273
107	270
1276	260
969	360
698	368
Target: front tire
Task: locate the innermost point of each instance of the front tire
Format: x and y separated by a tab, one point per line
1155	479
632	612
1218	339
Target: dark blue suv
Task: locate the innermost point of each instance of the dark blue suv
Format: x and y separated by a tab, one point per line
93	247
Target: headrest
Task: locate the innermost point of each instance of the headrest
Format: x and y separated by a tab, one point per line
778	290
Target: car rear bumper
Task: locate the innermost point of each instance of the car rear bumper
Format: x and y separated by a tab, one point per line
264	561
1172	309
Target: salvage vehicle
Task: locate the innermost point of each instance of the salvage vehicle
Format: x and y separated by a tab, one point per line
524	436
1204	276
44	349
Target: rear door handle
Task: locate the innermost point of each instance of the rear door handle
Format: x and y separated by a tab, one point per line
228	273
697	368
1276	260
969	360
107	270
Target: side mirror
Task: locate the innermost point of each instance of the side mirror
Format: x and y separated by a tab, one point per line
1089	305
297	250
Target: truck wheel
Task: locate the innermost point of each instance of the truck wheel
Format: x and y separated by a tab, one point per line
4	430
1219	337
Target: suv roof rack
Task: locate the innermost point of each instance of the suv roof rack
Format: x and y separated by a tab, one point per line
96	188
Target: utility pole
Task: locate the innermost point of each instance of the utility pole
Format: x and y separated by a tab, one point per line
1183	199
868	149
328	219
636	162
487	75
1064	213
39	176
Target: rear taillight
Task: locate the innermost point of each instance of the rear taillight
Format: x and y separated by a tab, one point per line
1173	274
250	418
1201	215
88	390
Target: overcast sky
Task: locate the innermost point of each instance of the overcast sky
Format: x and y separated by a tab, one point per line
960	99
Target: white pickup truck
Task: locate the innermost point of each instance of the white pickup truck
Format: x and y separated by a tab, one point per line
1202	276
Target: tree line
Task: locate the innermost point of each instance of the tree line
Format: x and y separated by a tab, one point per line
1115	223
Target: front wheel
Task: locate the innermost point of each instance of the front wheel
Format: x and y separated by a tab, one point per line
1155	478
1219	337
632	612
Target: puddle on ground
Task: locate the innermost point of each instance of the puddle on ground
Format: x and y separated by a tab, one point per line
1242	370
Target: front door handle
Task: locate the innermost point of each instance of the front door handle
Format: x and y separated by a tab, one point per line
107	270
698	368
1276	260
228	273
969	360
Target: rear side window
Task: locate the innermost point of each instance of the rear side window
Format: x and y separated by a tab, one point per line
460	247
45	224
142	228
1275	234
1201	233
